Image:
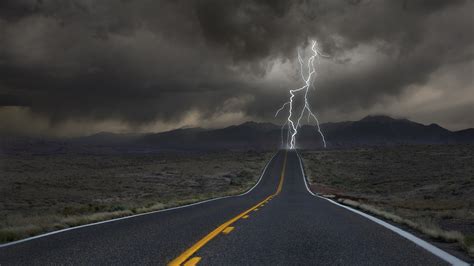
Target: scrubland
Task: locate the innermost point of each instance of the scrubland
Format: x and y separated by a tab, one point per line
46	192
429	188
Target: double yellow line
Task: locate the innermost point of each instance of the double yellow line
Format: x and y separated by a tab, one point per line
194	248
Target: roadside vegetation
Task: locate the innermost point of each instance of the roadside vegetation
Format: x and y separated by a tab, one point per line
41	193
428	188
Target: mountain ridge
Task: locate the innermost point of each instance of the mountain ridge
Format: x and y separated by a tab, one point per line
380	130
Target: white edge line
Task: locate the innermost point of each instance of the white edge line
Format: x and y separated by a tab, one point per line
136	215
422	243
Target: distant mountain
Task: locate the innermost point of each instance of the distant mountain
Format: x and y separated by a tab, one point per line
371	130
465	135
249	135
106	138
384	130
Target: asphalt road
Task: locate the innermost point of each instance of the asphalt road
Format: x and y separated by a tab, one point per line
292	227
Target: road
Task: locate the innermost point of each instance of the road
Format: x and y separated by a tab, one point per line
278	222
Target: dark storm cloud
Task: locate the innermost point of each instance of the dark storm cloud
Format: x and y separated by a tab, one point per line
141	61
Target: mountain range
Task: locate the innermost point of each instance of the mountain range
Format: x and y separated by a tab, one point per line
371	130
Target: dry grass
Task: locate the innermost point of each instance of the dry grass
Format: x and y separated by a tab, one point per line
426	227
428	188
50	192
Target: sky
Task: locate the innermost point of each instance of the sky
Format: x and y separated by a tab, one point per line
71	68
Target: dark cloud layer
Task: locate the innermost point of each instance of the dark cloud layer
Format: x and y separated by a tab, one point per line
139	62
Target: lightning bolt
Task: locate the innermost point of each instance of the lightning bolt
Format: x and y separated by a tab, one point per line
292	123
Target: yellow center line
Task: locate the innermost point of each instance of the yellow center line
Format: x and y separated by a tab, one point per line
190	251
228	230
193	261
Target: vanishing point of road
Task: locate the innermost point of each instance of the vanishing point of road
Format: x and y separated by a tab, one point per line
278	222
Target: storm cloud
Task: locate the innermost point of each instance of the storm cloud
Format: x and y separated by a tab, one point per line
149	65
